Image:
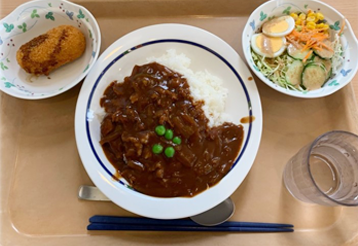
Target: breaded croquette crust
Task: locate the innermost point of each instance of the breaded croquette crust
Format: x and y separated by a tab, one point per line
58	46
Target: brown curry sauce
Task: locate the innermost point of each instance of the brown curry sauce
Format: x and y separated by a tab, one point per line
155	95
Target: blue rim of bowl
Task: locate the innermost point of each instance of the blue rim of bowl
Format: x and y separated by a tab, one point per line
157	42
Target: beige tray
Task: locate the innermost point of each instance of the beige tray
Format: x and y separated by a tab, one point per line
40	170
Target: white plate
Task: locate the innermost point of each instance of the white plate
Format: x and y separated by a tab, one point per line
206	51
30	20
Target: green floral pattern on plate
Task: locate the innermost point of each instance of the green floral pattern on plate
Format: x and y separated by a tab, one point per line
23	27
8	27
80	15
262	16
34	14
9	85
3	66
333	83
50	16
335	26
287	10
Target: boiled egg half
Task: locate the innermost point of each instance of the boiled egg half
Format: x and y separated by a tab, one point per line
279	26
268	46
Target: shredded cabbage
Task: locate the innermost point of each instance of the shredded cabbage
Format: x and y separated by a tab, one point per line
337	59
275	69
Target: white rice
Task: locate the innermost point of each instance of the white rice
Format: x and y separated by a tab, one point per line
203	86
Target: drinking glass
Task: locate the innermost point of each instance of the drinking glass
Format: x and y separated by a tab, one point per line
325	171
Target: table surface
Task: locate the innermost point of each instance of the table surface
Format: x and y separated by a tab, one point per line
334	112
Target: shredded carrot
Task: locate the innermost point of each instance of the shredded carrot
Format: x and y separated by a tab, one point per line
326	46
318	48
310	38
308	55
294	42
307	46
343	24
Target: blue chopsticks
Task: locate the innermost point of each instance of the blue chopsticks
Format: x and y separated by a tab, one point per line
106	223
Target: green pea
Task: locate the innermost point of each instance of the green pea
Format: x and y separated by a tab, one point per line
169	134
177	140
160	130
157	149
169	152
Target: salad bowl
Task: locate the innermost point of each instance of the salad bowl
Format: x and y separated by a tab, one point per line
342	74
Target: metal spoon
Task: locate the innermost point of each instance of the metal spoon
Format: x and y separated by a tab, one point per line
214	216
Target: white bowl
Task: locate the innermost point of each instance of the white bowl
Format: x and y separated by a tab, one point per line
30	20
206	51
348	40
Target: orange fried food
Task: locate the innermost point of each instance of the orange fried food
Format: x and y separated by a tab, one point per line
51	50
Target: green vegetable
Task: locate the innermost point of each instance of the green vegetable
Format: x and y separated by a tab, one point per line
296	53
293	74
169	152
177	140
157	149
160	130
326	63
325	53
313	76
275	69
169	134
337	59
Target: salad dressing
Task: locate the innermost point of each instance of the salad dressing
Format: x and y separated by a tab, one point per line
276	25
247	119
269	45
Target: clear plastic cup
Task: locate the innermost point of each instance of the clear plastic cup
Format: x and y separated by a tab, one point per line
325	171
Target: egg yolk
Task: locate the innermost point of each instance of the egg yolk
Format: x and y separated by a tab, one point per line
268	45
278	27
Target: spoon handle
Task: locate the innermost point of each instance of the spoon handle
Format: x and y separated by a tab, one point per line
91	193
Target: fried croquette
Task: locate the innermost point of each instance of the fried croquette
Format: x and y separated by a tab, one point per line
49	51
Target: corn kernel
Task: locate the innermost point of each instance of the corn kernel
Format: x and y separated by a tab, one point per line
294	16
320	16
320	26
298	22
302	16
311	18
311	25
311	13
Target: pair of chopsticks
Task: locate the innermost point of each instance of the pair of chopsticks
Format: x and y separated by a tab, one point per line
113	223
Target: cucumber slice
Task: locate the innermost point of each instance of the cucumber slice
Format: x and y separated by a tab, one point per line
312	57
325	53
326	63
294	72
296	53
313	76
